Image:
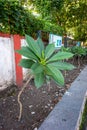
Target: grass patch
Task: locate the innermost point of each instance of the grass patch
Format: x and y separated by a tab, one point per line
84	118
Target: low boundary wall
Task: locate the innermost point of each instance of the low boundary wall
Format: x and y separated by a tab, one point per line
10	72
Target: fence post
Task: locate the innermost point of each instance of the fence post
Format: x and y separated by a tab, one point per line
18	69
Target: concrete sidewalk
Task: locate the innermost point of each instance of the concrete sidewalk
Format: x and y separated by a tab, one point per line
65	115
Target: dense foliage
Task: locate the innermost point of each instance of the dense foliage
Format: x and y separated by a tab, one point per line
47	7
79	51
77	18
52	28
80	54
55	16
16	19
70	14
76	50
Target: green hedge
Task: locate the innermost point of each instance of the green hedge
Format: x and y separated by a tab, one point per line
15	19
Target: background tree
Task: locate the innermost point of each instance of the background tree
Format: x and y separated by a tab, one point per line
71	15
55	16
77	18
16	18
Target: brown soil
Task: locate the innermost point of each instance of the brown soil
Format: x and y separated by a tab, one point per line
37	103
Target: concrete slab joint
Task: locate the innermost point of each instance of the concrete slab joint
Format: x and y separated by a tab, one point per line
67	113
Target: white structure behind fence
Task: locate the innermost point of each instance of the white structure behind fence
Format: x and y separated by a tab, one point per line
8	62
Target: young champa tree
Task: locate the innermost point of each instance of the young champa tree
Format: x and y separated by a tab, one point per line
43	62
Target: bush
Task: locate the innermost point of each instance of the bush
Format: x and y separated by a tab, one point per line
15	19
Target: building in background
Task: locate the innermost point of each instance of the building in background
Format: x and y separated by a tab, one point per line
56	40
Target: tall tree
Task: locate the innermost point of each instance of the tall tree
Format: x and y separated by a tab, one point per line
71	14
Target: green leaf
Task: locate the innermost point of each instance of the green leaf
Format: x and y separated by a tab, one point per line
49	50
40	43
39	80
25	51
55	74
60	56
26	63
36	68
33	46
62	65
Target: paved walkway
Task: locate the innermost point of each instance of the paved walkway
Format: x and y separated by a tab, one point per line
65	115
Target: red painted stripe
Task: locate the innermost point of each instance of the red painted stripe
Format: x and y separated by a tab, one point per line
8	35
19	73
5	35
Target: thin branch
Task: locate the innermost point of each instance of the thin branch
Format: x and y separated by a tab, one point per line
19	95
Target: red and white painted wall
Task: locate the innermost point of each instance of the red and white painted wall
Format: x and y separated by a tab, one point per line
10	72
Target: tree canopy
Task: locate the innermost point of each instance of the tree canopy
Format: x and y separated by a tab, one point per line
55	16
70	14
15	18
